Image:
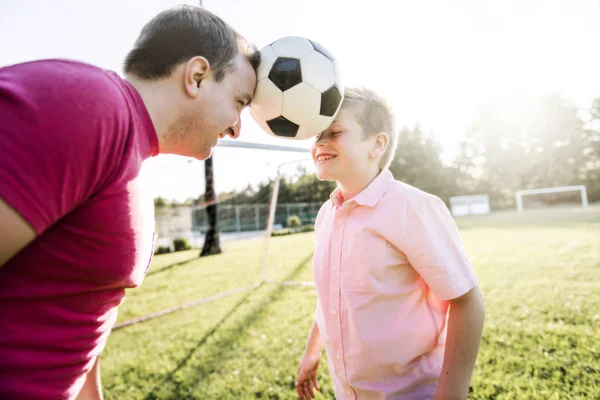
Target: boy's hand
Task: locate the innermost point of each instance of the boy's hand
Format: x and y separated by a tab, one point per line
307	376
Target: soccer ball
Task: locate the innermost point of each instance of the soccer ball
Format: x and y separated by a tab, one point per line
299	90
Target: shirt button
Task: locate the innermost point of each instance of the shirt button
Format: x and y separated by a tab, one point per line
333	311
334	267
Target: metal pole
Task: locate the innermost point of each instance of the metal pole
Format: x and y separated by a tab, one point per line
260	146
270	222
271	217
584	201
257	217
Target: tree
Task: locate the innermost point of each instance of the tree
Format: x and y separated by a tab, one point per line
523	142
159	202
590	173
417	162
212	244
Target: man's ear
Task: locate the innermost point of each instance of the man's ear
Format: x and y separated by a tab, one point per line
196	70
382	141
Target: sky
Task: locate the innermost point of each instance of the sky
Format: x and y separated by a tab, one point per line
435	61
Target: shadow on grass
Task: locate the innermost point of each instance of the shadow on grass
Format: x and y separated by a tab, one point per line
168	267
217	355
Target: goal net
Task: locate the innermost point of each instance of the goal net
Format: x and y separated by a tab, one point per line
265	226
543	197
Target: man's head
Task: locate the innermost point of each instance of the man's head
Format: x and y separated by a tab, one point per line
202	74
362	137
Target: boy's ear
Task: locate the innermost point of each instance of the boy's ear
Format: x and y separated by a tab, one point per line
380	145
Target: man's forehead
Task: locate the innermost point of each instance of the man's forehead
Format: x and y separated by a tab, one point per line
246	77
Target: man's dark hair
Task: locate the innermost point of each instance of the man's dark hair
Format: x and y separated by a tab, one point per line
178	34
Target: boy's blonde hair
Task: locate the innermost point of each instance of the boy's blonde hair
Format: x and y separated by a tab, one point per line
374	115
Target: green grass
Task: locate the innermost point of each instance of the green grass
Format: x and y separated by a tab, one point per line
539	272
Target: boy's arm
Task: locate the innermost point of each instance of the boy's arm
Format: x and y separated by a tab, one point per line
315	343
434	248
15	232
465	327
306	377
92	388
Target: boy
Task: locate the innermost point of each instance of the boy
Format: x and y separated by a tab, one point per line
388	265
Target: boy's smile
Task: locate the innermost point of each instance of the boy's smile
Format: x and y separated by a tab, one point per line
341	150
322	157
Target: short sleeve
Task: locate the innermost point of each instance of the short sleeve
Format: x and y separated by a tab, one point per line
319	217
435	250
57	139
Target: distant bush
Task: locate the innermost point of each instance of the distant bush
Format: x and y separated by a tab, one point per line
162	250
307	228
180	244
282	232
294	221
289	231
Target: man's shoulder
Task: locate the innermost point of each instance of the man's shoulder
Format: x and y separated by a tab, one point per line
76	107
64	97
57	66
62	80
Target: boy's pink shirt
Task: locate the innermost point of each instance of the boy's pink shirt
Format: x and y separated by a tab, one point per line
386	263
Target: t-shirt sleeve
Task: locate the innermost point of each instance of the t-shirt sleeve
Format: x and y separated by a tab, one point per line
434	248
56	147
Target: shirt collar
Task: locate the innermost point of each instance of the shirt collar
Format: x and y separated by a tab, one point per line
370	195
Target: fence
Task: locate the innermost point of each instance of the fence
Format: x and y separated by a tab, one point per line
253	217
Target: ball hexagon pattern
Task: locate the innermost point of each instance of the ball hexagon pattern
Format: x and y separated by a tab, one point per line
299	90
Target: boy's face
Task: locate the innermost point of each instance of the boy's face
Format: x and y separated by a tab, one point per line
341	152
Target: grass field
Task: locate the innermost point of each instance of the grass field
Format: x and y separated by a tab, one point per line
539	272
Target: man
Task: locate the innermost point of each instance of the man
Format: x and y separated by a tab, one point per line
75	227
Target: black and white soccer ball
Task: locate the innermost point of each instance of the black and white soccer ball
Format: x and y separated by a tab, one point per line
299	90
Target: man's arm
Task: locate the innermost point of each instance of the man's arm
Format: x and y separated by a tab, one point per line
92	388
465	327
15	232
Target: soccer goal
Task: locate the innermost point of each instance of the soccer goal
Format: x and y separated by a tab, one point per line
270	224
530	192
247	221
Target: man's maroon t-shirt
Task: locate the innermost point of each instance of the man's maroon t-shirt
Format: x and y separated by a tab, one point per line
72	140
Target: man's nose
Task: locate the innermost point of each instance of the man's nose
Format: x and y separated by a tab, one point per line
235	129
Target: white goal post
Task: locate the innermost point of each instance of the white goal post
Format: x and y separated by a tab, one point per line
520	193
